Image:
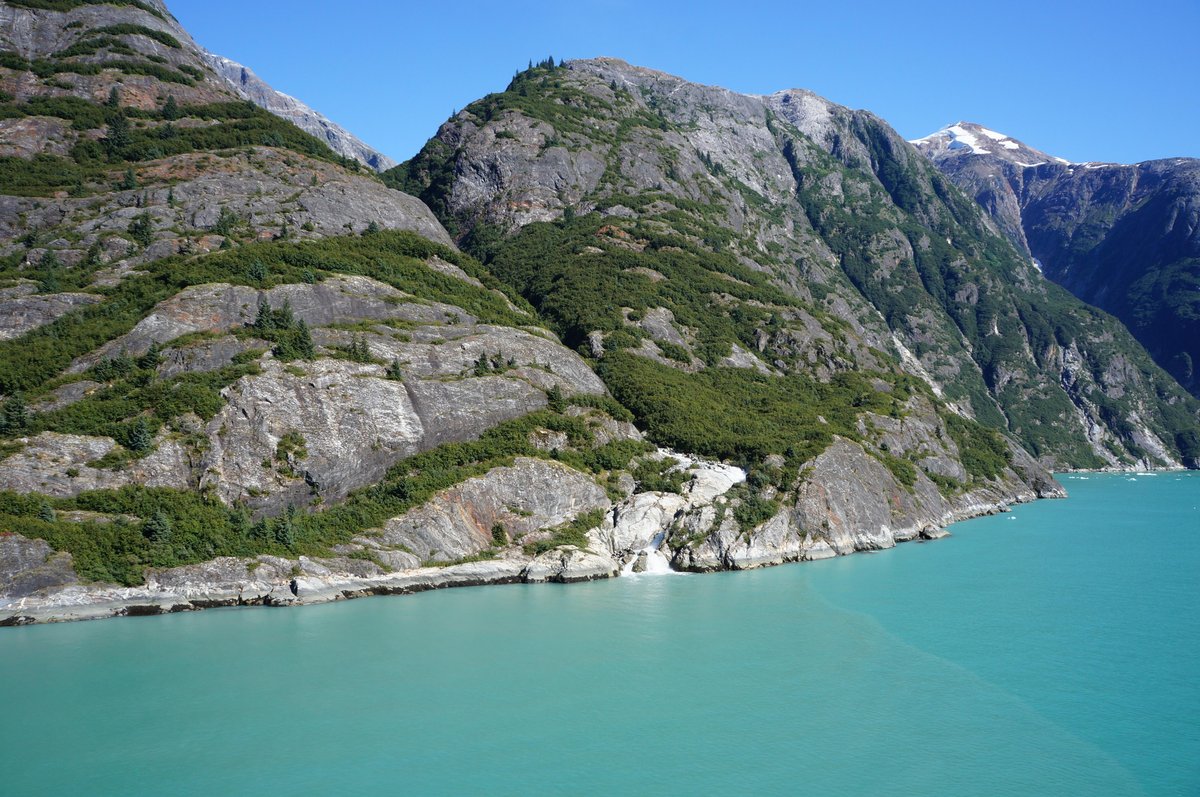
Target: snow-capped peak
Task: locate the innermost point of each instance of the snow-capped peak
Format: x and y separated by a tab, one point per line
979	140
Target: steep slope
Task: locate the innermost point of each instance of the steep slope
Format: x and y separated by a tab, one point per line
226	349
657	191
253	88
1124	238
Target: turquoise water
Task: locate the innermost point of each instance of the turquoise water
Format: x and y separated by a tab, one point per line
1050	651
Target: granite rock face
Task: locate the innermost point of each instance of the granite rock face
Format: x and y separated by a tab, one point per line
512	503
23	309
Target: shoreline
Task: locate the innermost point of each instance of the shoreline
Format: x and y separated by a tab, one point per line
310	586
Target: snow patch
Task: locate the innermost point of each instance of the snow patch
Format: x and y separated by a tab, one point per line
960	138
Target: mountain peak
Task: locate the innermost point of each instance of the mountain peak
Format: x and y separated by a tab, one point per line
969	138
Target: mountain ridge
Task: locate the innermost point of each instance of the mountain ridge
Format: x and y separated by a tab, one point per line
1121	236
516	158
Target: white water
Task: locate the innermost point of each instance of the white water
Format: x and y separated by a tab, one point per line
656	562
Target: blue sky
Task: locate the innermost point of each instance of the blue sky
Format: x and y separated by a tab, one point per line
1099	80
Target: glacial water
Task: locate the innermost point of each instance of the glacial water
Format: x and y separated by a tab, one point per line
1051	651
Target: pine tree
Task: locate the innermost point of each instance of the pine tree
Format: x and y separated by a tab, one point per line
46	512
114	98
258	271
117	139
158	527
285	528
394	371
150	360
239	521
15	417
170	109
140	436
141	230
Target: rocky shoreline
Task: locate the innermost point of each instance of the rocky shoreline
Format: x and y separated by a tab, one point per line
631	532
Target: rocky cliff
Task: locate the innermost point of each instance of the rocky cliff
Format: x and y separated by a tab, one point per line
1124	238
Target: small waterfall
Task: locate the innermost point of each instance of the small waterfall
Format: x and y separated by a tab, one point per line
649	560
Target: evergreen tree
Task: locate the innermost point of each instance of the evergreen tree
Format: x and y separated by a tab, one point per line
264	320
114	98
46	512
15	417
141	230
258	271
117	139
359	351
158	527
140	436
394	372
129	182
170	109
261	530
239	521
555	399
372	228
150	360
285	528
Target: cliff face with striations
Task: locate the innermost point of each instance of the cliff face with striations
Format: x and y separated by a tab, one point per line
691	329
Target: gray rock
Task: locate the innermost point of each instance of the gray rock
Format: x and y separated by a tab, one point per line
31	566
523	499
57	464
23	310
568	564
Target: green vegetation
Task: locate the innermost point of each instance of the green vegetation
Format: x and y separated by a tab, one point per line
983	452
572	533
289	334
201	527
743	416
67	5
397	258
91	163
135	405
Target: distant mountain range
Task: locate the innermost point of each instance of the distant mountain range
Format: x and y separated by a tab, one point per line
1124	238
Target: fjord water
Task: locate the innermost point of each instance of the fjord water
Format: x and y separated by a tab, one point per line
1052	650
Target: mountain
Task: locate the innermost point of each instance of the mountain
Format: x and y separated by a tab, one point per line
690	328
253	88
829	206
1124	238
